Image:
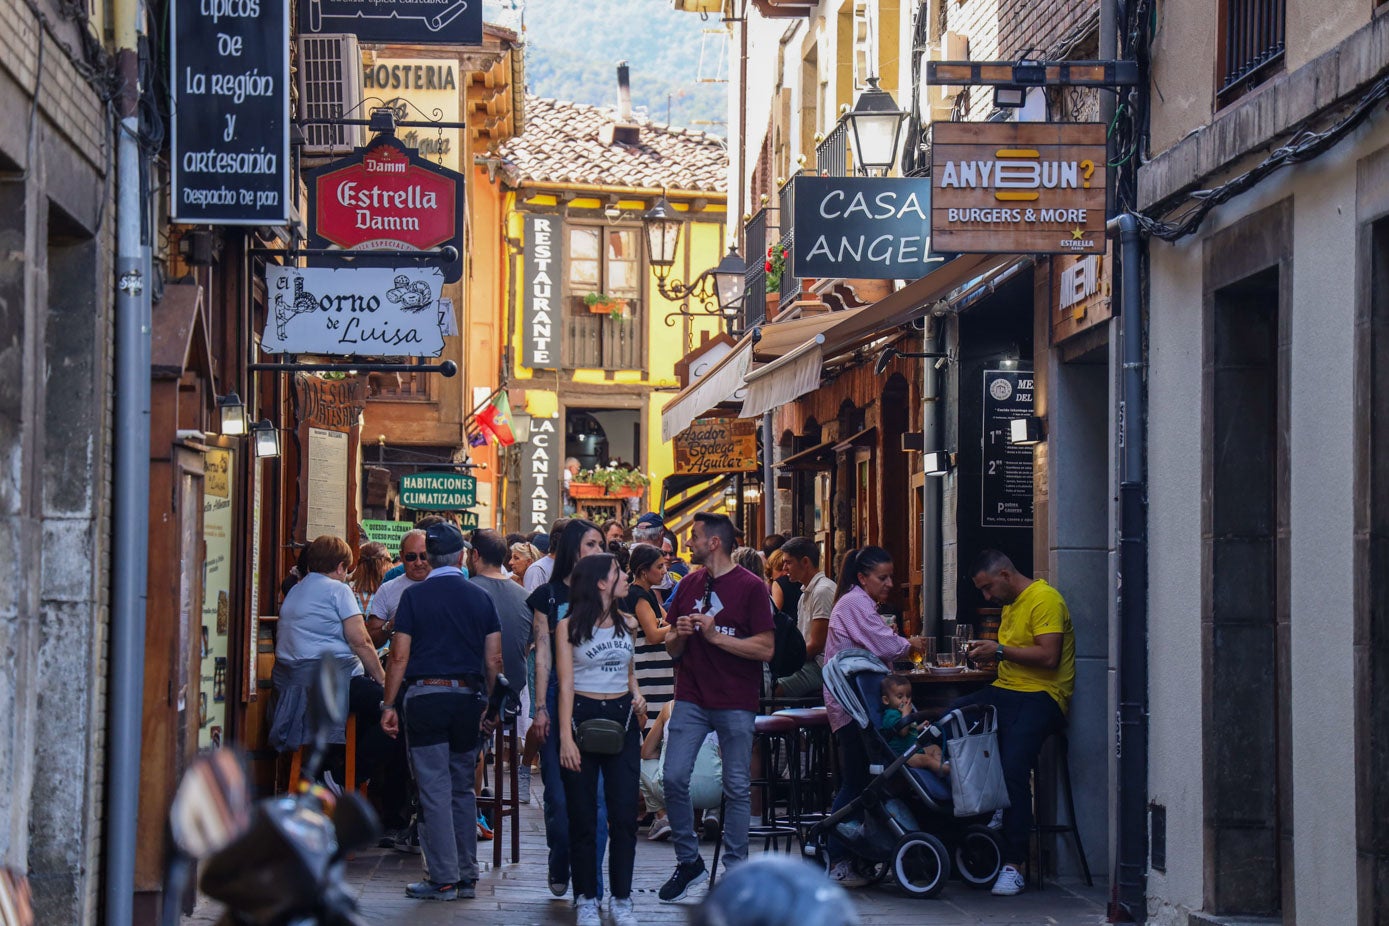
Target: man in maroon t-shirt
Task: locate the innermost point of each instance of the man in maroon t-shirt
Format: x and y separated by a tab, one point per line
721	636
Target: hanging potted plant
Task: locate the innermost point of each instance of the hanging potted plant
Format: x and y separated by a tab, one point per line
603	304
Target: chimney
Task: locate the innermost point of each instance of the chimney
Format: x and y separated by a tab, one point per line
625	131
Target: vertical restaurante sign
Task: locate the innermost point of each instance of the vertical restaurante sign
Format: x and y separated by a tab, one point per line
540	475
863	228
229	69
540	309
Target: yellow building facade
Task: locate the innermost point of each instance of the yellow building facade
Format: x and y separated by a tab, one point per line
592	341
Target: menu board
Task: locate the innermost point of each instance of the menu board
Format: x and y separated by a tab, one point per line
327	484
219	472
1006	478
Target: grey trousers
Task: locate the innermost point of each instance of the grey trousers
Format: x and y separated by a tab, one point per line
444	777
689	725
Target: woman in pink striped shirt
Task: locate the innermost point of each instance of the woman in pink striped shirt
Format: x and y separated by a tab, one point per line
865	578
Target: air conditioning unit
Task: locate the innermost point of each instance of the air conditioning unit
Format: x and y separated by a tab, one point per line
697	6
937	101
330	84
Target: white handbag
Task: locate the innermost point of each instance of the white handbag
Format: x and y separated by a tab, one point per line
976	770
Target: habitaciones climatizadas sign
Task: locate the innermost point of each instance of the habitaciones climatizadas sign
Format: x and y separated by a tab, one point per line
863	228
229	144
364	311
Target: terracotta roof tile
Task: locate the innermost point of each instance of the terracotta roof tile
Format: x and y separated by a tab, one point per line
561	144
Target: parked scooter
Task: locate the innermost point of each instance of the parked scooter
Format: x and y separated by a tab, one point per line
279	861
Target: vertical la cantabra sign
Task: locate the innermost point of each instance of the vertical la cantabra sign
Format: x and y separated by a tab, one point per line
540	308
540	475
229	69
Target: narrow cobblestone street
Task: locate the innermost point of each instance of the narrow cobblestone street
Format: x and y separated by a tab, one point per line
517	895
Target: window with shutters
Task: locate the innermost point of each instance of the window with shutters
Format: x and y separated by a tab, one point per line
607	260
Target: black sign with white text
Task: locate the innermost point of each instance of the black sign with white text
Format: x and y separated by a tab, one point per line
229	69
1006	480
540	309
540	469
863	228
396	22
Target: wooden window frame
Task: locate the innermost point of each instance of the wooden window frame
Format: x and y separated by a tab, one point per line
573	307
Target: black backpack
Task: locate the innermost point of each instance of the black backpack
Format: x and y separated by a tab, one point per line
788	654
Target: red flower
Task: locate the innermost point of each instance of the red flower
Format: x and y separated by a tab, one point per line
768	267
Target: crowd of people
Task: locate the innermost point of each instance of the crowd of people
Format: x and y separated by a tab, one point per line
639	678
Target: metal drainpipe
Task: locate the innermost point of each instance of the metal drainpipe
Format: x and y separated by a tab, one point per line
130	490
931	490
1130	876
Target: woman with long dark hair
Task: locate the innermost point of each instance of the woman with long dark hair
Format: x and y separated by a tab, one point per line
549	604
655	668
594	655
865	579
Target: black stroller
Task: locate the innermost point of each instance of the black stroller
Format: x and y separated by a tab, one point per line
903	823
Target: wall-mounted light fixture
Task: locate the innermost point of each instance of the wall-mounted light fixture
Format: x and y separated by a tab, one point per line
521	427
875	127
233	413
752	493
267	439
1026	432
938	462
890	353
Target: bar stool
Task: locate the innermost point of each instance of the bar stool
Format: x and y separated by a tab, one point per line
770	734
351	783
1061	769
504	803
814	796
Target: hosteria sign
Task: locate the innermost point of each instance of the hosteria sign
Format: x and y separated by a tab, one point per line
1018	187
371	311
385	197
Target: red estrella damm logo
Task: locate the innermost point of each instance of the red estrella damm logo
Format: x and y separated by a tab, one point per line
385	200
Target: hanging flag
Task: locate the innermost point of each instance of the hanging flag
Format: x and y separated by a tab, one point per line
477	440
495	420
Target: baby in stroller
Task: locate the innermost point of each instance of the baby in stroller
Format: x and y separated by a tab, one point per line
904	822
901	725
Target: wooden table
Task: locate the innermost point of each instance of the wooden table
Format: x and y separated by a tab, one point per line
931	692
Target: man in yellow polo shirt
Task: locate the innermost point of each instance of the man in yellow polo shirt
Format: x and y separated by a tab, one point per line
1035	651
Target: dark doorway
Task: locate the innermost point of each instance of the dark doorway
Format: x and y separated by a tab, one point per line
1247	785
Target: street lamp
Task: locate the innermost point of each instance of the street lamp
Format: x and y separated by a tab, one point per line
875	123
716	291
233	413
267	439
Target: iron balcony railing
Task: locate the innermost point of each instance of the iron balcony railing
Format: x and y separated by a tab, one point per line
832	154
786	207
754	310
1254	40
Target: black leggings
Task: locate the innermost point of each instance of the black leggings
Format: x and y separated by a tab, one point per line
621	780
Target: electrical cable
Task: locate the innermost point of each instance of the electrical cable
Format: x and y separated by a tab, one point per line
1304	145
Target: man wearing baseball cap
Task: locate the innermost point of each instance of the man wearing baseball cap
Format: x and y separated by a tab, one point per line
445	656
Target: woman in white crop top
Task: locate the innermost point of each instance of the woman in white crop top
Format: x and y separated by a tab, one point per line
598	680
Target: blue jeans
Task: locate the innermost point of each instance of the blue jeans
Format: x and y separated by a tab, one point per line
556	808
689	725
1025	720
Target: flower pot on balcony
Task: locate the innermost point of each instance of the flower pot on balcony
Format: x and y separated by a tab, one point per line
592	490
773	303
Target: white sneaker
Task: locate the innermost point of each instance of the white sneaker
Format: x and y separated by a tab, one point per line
660	829
1009	882
622	912
588	913
523	784
844	875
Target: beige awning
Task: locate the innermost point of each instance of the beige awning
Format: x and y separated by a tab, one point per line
721	384
789	377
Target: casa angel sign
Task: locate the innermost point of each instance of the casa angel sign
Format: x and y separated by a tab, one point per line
362	311
386	198
1018	187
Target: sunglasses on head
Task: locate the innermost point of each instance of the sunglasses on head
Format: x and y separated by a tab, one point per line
411	557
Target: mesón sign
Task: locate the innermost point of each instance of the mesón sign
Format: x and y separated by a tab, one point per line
1018	187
